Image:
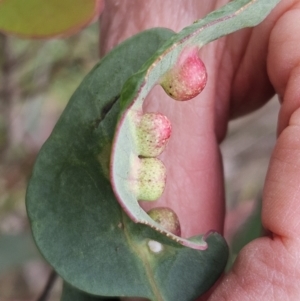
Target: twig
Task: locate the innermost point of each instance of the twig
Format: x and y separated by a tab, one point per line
8	90
50	282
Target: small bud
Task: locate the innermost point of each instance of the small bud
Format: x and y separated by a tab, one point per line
148	178
153	132
188	77
167	218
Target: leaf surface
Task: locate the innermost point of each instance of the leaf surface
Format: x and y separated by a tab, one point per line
76	220
72	294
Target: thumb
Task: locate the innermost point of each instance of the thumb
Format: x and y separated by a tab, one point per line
269	268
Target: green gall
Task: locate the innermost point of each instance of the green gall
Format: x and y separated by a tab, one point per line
167	218
147	179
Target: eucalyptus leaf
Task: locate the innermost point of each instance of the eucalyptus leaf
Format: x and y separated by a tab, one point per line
72	294
76	220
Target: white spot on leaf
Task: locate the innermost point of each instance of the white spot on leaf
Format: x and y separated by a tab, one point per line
155	246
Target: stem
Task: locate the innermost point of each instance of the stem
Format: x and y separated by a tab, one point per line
49	285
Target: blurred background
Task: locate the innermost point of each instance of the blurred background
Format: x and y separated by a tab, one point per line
37	79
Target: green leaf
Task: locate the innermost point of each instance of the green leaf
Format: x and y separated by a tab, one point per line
72	294
43	19
232	17
76	220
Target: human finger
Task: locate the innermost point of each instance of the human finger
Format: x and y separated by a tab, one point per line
268	268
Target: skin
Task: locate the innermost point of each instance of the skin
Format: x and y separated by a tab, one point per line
244	70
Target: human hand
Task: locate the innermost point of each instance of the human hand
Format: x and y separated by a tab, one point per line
244	70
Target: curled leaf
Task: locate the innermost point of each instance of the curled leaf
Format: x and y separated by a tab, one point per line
232	17
76	221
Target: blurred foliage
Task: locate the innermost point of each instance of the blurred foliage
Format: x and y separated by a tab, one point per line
15	250
37	79
40	19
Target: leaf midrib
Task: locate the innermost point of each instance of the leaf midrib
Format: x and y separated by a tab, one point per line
144	260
